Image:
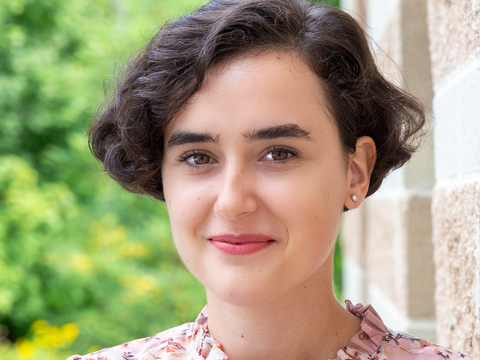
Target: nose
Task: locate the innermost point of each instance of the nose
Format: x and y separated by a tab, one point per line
236	193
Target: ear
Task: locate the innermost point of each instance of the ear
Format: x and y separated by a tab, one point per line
360	167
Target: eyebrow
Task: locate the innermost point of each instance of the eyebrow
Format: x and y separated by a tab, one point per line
279	131
181	137
185	137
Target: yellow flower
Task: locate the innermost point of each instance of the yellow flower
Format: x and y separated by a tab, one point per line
69	333
48	336
25	347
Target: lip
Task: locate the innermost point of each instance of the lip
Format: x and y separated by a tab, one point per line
243	244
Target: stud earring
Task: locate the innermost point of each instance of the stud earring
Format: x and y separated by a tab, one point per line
354	198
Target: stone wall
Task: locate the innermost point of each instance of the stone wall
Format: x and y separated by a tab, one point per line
454	27
413	249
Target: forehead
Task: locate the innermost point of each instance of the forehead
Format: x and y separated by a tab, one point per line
258	70
256	89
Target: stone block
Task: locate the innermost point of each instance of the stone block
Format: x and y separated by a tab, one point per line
394	260
454	28
456	238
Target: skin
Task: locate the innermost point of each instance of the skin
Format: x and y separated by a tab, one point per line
226	179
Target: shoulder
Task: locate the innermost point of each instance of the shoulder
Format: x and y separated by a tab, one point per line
377	342
172	342
401	346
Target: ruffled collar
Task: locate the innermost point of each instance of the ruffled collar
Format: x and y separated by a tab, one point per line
369	339
204	343
362	346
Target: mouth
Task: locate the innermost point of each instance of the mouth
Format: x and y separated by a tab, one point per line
243	244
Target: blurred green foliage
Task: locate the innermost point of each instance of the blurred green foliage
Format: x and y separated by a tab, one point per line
74	248
83	265
335	3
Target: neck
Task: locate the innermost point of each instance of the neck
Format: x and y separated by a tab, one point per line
306	323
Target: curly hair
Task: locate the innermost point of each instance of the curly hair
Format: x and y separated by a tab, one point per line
127	131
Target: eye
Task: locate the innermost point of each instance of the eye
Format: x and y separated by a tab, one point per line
279	154
196	158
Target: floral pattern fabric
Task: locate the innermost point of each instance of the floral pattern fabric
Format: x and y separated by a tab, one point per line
192	341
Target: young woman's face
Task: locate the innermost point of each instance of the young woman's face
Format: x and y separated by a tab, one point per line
255	179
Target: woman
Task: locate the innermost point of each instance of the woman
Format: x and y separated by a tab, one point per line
259	122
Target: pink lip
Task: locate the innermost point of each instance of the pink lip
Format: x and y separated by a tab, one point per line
243	244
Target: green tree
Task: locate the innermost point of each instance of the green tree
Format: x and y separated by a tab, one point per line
73	246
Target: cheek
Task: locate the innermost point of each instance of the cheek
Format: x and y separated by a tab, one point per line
188	206
311	205
309	192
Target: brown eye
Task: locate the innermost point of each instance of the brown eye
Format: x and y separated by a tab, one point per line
279	155
196	158
200	159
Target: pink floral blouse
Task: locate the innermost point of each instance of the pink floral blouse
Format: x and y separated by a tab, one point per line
192	341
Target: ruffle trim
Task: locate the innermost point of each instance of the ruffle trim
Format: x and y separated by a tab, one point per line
205	345
369	339
362	346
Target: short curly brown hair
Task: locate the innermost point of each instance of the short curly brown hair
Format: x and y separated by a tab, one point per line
127	134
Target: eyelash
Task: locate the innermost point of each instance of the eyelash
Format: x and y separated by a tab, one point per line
186	155
292	152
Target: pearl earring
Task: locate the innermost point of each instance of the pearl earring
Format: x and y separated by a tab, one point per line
354	198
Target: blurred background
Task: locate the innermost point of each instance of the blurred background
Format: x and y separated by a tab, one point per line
83	264
412	250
